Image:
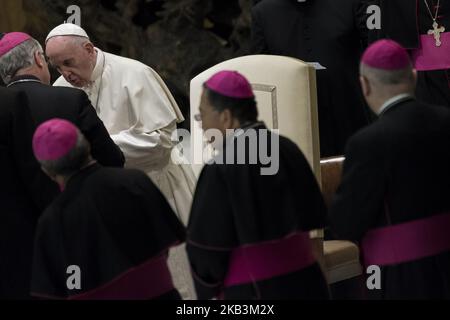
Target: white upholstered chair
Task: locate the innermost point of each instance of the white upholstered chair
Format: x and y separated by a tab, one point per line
286	94
285	90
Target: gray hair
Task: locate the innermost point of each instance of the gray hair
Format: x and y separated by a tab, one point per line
388	78
71	163
19	58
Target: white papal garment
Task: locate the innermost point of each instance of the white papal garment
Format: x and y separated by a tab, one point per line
141	114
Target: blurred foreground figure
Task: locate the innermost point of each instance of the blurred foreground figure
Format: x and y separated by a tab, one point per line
394	198
107	236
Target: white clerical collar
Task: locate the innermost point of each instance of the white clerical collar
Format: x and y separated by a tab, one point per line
393	101
99	65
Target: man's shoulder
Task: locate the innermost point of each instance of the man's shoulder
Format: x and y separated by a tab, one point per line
109	181
110	177
287	142
9	94
370	137
127	64
129	70
440	111
413	112
62	87
74	92
9	99
12	103
51	212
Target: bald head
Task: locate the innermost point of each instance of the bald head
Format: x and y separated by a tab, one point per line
385	72
381	85
74	57
388	78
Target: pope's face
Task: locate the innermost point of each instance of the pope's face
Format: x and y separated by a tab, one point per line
72	58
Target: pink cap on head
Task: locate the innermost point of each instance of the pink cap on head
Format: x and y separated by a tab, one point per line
386	55
230	84
11	40
54	139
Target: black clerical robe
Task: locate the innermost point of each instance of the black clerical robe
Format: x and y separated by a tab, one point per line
396	174
236	210
18	213
404	21
26	191
332	33
47	102
116	227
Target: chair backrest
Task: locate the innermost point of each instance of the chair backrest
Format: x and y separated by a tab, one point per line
331	169
286	94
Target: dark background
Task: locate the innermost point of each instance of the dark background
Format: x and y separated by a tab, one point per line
178	38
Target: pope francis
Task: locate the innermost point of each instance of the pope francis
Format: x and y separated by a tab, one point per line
140	114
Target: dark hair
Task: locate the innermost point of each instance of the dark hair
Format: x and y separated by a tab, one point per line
244	110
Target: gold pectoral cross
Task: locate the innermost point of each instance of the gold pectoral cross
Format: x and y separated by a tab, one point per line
436	32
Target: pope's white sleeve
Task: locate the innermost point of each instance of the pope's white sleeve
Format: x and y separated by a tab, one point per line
146	150
147	143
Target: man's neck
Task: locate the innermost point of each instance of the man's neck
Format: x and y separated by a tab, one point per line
392	100
63	180
29	72
95	73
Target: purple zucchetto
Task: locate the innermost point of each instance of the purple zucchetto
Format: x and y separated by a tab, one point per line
54	139
11	40
386	55
231	84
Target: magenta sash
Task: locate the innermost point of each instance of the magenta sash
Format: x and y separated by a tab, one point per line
429	57
149	280
407	241
269	259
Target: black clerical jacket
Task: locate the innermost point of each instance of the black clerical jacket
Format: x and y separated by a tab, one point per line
397	171
25	189
47	102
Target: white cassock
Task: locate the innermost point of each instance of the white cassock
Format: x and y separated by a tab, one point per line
141	114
